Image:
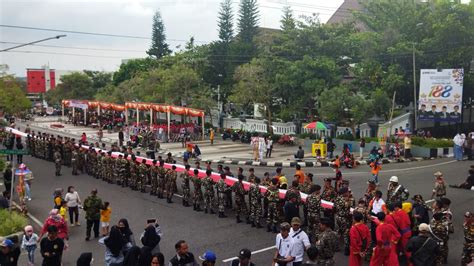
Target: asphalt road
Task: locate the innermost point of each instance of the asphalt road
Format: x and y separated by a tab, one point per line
224	236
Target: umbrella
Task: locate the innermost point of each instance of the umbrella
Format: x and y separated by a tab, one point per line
316	125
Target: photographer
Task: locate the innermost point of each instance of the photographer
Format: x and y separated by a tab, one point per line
151	236
286	250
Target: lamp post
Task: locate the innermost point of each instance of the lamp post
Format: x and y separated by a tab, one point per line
414	83
31	43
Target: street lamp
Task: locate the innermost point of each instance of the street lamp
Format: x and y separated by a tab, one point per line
30	43
414	83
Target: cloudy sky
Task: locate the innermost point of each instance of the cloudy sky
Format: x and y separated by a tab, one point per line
182	18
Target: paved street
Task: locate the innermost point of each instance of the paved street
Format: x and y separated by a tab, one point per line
203	231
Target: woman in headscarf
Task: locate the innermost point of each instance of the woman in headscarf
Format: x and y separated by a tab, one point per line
132	257
126	233
57	220
114	243
157	260
85	259
151	239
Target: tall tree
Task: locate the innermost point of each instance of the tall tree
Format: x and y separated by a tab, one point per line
159	47
12	98
248	20
73	86
287	20
225	23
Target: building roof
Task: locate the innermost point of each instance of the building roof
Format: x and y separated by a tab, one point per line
343	13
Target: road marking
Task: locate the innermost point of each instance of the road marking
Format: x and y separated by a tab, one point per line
396	170
253	252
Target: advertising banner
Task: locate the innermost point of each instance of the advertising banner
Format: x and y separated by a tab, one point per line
79	104
440	94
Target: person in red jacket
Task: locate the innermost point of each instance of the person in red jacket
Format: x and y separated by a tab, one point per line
360	240
57	220
386	241
401	221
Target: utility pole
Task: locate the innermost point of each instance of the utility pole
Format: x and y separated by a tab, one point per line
414	91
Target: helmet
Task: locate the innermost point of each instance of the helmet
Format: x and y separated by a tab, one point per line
394	179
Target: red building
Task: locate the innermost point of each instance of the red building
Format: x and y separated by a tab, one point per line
38	79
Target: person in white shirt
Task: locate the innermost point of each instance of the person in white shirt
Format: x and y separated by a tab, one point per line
286	251
300	240
269	147
73	201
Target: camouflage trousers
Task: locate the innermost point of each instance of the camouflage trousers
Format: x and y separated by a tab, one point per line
467	253
240	207
74	167
154	185
133	181
327	262
272	215
442	256
343	227
141	182
313	225
208	200
161	186
221	198
255	210
170	189
186	194
58	167
197	197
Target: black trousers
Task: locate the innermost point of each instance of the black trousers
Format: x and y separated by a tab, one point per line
72	211
91	223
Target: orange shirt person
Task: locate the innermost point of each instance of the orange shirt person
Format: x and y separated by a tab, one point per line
359	240
300	174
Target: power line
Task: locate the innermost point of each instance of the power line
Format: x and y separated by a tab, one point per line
91	33
78	48
68	54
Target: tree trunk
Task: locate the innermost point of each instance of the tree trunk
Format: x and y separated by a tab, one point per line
353	130
269	122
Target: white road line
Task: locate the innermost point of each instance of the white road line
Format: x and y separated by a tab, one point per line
253	252
396	170
34	219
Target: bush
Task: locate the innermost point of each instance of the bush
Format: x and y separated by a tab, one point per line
308	135
13	224
349	137
432	142
2	163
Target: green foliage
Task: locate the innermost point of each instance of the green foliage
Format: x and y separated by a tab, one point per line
432	142
159	47
129	69
11	224
99	79
344	136
248	20
2	163
12	99
287	21
225	22
77	86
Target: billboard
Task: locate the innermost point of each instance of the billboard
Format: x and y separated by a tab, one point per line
440	94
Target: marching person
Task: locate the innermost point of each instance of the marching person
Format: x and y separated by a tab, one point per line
208	185
327	243
359	240
386	239
92	206
222	189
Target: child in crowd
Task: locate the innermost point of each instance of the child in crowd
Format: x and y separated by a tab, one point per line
29	243
105	218
63	210
375	169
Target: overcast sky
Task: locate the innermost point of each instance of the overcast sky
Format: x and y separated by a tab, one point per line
182	18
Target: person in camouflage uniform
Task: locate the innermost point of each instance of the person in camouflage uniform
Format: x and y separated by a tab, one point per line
57	162
267	181
240	204
305	187
313	205
81	160
97	165
329	194
185	179
171	177
133	173
74	161
142	176
67	153
251	174
92	207
161	179
342	208
222	189
126	172
197	197
255	202
439	231
103	166
273	197
169	158
208	185
154	178
327	243
468	249
119	173
395	192
293	192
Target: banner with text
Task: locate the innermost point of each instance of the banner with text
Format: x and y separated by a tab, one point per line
440	94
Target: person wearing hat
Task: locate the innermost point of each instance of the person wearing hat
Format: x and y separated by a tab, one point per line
439	189
440	234
422	247
327	243
286	251
240	204
208	258
386	239
243	258
396	192
228	199
329	194
9	253
342	206
92	206
313	205
272	196
300	239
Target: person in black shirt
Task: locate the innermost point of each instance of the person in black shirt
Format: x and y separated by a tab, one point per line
469	181
52	248
183	257
419	213
244	258
9	253
4	200
7	178
422	247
